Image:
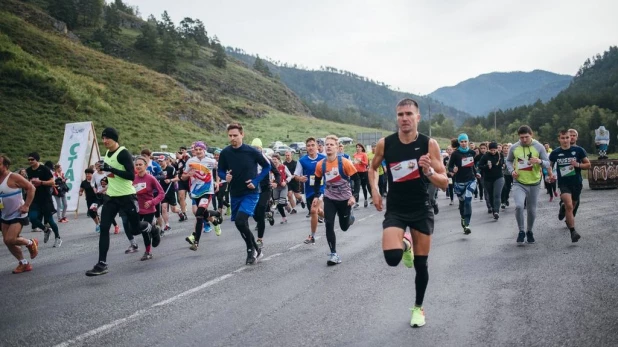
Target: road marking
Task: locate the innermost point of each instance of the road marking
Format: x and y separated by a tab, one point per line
140	313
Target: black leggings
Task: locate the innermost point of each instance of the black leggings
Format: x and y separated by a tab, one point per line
242	224
148	218
334	208
506	190
127	204
449	191
260	211
223	197
364	182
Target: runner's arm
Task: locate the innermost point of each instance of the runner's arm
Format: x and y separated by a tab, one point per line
24	184
265	164
298	171
157	186
510	158
375	164
288	174
317	184
439	178
124	159
350	170
221	166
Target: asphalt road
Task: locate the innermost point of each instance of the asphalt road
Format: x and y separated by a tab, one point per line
484	289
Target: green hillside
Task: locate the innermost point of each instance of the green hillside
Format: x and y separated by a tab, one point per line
343	90
49	77
589	102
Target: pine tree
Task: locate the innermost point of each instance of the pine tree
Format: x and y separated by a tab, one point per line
64	10
168	53
112	20
90	11
218	59
260	66
147	40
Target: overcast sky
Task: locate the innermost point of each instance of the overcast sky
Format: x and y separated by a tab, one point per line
416	46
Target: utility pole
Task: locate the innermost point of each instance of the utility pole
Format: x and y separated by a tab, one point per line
495	129
429	112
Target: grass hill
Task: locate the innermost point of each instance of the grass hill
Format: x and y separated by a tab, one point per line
49	77
343	90
502	90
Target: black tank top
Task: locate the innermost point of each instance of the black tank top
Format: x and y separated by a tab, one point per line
407	185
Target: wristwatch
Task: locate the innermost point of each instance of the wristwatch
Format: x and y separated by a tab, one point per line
430	173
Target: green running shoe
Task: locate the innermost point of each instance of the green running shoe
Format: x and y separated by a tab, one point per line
418	317
228	211
190	239
218	230
408	256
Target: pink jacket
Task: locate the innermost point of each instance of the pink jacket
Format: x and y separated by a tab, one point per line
145	187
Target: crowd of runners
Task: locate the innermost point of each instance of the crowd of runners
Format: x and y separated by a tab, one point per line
402	175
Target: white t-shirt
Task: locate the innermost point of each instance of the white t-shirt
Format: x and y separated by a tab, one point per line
96	181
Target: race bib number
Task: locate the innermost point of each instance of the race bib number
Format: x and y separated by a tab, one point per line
204	202
566	170
405	171
467	162
139	187
311	180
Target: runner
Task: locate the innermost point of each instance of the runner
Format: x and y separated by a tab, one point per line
413	161
461	166
204	183
42	206
450	190
238	164
480	188
305	173
280	188
59	193
223	195
294	196
263	209
524	162
570	160
490	165
508	178
183	186
14	214
145	187
342	151
168	182
361	162
338	198
91	197
118	162
99	184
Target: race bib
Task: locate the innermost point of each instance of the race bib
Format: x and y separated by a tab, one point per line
139	187
332	175
311	180
567	170
524	164
405	171
450	180
204	202
467	162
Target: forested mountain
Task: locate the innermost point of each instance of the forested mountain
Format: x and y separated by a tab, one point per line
589	102
345	91
502	90
156	81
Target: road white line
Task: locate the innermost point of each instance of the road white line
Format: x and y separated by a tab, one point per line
139	313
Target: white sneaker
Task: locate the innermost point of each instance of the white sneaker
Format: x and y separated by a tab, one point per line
58	243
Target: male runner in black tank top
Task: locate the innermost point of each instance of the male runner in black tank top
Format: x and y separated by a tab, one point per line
413	162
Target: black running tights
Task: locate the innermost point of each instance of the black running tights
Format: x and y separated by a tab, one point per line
333	208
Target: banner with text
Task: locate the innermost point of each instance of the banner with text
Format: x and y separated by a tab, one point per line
79	150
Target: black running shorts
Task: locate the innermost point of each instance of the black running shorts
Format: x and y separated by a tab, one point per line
294	186
574	189
23	221
170	198
183	185
421	220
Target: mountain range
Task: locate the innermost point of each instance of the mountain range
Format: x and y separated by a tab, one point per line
502	90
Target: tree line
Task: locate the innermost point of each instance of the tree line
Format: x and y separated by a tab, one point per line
159	38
